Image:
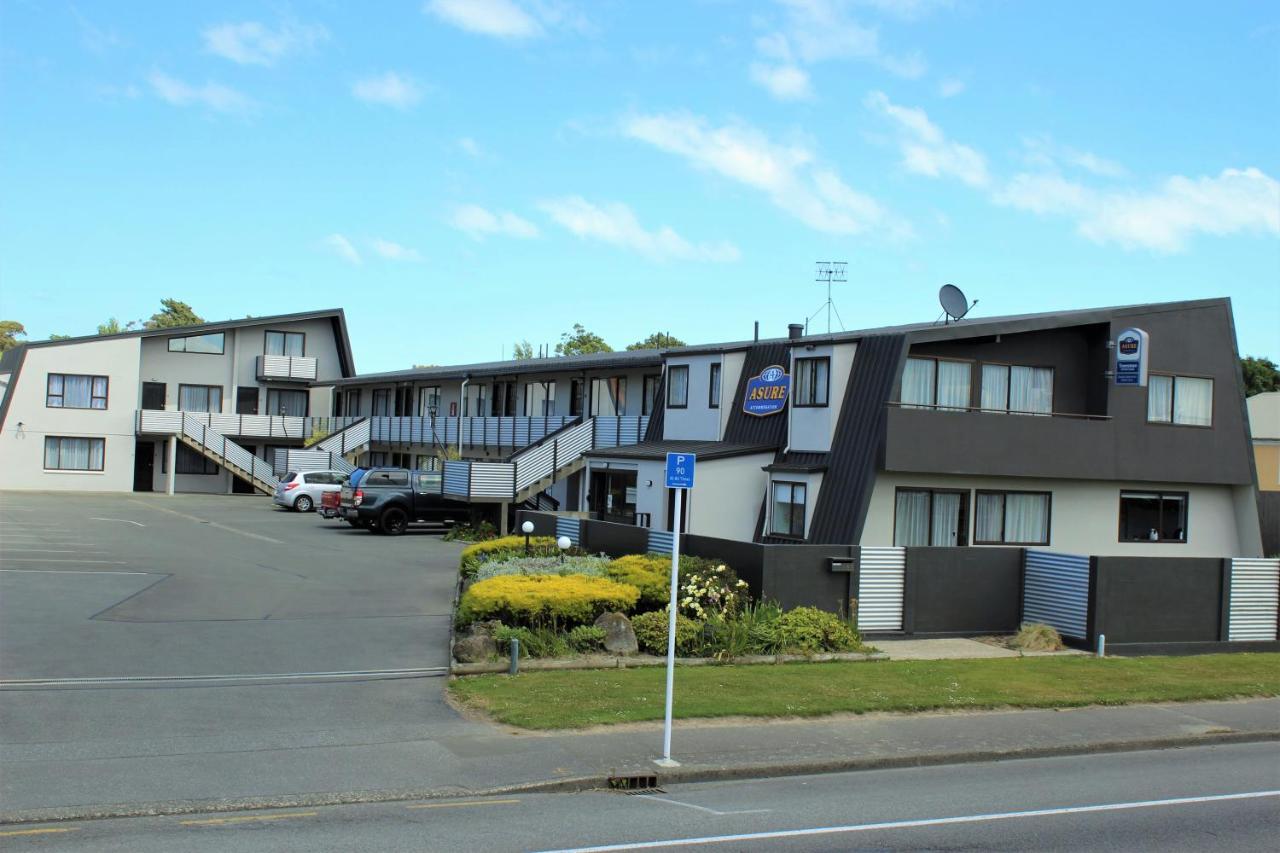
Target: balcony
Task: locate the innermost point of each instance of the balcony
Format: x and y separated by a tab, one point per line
165	422
295	368
498	433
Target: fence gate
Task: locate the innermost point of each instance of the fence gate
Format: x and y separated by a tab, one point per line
1055	591
1255	595
880	583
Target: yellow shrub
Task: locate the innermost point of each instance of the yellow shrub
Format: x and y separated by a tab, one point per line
505	547
648	573
543	599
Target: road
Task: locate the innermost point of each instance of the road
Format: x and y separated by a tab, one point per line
1221	798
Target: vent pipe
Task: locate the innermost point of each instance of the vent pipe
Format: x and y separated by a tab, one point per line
756	336
795	330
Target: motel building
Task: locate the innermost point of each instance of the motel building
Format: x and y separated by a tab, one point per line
1111	431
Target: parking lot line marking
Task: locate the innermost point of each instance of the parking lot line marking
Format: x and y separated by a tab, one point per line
57	560
41	831
126	680
199	520
125	520
462	805
218	821
8	550
71	572
700	808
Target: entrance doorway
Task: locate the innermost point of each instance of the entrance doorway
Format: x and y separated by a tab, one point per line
238	485
144	466
613	495
153	395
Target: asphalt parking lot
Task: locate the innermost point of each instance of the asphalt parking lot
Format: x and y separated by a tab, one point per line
170	637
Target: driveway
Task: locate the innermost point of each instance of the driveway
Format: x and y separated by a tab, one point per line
212	646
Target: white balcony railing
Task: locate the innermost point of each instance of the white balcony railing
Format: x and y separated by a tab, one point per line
256	426
295	367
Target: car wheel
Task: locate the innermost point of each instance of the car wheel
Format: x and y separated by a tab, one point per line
303	504
394	521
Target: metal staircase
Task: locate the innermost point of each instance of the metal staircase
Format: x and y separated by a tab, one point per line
227	454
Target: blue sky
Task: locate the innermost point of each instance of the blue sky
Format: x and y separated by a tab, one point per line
460	174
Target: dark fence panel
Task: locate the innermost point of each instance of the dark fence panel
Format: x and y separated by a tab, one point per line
616	540
745	558
1269	518
544	523
801	576
1158	599
963	590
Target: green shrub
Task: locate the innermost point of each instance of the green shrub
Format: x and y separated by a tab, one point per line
586	638
544	600
534	642
714	591
589	565
740	633
506	547
806	630
1036	637
482	532
647	573
651	633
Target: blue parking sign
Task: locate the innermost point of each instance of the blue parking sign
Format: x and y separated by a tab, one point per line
680	470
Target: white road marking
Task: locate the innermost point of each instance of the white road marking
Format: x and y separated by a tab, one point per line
70	572
700	808
118	680
912	824
7	550
54	560
208	522
125	520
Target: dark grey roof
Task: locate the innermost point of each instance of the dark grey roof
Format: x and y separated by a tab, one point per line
659	449
800	462
11	358
522	367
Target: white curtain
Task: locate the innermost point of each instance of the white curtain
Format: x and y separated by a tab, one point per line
1031	390
989	520
995	387
917	382
953	384
1192	401
74	454
1160	399
911	524
199	398
76	391
289	403
946	519
678	393
1026	518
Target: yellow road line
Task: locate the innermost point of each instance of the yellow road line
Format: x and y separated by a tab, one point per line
38	831
462	805
216	821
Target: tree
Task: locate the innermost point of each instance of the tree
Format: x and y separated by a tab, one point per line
581	342
10	331
59	337
173	313
1260	375
522	350
113	327
658	340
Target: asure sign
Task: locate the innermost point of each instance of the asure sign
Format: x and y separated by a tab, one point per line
1132	349
767	393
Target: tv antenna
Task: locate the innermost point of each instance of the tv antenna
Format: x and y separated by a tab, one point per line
828	273
955	305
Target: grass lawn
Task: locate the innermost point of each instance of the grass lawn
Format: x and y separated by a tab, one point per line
578	698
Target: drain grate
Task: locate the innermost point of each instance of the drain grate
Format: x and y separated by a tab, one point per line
646	783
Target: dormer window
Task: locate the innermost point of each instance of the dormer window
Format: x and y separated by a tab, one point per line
678	386
813	381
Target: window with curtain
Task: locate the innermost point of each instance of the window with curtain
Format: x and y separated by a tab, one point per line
936	517
575	398
1011	518
1182	400
713	386
539	399
75	391
200	398
788	510
812	381
609	396
190	462
649	395
1017	389
290	403
929	383
74	454
428	401
678	386
1153	516
285	343
208	344
381	402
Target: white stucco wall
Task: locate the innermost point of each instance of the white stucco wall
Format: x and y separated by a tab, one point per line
29	420
1085	515
697	422
812	427
726	496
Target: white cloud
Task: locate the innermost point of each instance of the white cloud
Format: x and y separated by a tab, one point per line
214	96
785	82
925	149
1044	153
470	147
342	247
1236	201
498	18
616	224
253	43
950	87
394	251
787	174
477	222
906	9
823	30
390	89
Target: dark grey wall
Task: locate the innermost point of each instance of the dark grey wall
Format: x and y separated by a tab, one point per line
801	576
1269	518
616	540
1190	341
1157	599
544	524
962	590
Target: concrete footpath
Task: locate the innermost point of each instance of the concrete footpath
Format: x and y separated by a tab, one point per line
472	758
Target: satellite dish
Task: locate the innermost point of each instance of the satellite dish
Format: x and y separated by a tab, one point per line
953	301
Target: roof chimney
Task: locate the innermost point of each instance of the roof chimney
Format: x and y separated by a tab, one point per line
795	330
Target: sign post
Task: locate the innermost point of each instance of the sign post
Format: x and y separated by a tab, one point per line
679	478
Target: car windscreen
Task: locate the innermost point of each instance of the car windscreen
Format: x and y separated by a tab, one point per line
429	483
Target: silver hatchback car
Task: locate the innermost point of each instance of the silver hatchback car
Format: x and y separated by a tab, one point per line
301	490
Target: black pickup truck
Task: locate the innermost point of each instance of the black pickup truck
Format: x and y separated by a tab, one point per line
388	500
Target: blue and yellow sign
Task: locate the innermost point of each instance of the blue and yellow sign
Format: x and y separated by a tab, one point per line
767	393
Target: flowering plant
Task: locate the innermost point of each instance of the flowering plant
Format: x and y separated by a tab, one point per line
712	591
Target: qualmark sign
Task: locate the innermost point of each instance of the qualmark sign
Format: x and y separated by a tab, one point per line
1132	346
767	393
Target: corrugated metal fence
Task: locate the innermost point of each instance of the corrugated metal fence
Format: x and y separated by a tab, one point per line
1255	598
571	527
1056	592
881	574
660	541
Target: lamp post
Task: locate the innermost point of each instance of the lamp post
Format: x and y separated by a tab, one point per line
527	529
563	544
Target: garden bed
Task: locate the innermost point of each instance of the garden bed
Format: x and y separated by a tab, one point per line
632	661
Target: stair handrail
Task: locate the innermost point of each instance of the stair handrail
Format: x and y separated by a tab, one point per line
230	452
